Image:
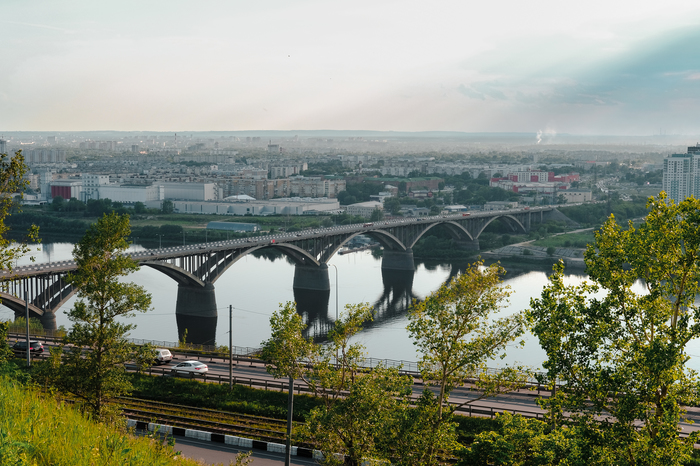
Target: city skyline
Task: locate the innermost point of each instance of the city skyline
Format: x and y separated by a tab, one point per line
622	68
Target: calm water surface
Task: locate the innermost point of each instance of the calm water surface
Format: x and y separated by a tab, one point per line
255	287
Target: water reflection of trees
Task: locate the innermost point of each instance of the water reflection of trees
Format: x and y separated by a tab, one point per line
271	254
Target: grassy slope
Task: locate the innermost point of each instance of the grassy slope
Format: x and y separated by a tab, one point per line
35	430
576	240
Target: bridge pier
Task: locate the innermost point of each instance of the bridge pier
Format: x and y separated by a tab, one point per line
397	260
48	320
468	244
312	277
195	312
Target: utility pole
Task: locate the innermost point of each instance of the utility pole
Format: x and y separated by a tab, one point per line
290	401
230	347
26	316
336	304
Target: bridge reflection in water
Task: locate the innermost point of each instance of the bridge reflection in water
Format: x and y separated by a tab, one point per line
396	297
314	308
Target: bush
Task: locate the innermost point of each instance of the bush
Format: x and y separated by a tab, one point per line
241	399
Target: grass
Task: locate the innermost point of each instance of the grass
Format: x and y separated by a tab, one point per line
242	400
569	240
37	430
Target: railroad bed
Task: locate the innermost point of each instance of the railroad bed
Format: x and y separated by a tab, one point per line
220	422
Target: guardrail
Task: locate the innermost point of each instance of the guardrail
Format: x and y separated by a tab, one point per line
282	386
534	380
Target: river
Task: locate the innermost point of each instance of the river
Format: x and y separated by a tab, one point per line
255	287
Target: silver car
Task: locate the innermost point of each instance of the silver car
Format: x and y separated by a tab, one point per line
190	368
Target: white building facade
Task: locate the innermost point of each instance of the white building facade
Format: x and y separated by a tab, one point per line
681	178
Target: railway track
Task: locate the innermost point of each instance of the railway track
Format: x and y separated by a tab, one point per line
209	420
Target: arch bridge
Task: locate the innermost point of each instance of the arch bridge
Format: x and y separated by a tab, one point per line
196	268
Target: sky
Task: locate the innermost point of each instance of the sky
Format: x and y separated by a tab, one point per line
620	67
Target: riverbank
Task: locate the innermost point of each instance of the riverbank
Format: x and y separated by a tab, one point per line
526	252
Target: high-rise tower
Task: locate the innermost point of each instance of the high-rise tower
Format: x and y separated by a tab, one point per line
681	177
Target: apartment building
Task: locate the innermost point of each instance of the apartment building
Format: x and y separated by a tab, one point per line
681	178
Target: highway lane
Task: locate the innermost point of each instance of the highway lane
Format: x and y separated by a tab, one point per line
523	401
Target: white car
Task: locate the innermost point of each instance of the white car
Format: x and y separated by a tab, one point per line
162	356
190	368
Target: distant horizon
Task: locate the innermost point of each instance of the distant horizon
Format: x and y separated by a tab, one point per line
619	69
293	132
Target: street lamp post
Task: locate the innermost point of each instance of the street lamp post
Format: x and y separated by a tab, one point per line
160	241
336	290
336	303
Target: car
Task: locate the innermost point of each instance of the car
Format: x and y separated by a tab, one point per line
162	356
190	368
35	347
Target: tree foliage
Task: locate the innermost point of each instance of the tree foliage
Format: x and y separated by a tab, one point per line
93	366
617	344
454	331
365	414
377	215
527	442
12	171
286	351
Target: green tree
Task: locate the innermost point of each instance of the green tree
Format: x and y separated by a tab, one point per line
618	348
285	354
93	368
167	207
74	205
139	208
455	332
528	442
358	404
377	215
57	203
98	207
5	351
357	425
393	205
12	171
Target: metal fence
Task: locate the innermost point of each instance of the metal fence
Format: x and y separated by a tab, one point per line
537	379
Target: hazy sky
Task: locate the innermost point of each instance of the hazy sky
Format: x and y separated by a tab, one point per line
593	67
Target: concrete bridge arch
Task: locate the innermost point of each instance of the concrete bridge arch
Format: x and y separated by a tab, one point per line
456	231
509	218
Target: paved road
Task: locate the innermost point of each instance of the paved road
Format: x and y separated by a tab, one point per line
215	453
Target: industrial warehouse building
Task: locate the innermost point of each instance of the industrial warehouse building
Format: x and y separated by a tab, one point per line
286	206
